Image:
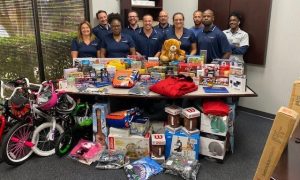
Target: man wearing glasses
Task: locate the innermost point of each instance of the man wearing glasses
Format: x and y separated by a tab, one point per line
133	26
163	25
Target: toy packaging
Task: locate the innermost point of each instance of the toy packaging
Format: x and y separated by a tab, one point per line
140	88
120	131
142	169
179	165
173	115
99	112
121	119
213	146
238	83
139	126
182	144
125	78
135	146
112	160
158	142
86	151
212	124
191	118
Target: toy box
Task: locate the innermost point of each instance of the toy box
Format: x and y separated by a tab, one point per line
173	130
188	67
221	80
135	146
207	81
173	115
158	142
212	124
213	146
139	126
120	131
238	82
191	118
182	144
278	138
190	112
100	110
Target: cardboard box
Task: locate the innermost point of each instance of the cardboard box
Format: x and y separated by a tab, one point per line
217	125
238	82
295	100
277	140
104	108
213	146
174	110
182	144
135	147
190	112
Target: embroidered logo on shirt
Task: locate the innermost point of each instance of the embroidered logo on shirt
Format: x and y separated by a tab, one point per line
186	37
154	38
125	41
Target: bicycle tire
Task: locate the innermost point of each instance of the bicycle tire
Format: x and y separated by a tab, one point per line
37	136
64	144
8	143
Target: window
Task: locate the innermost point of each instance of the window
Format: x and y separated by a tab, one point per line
58	21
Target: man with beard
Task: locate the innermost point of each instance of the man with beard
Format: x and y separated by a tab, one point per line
212	39
133	26
238	39
148	41
163	25
197	17
103	28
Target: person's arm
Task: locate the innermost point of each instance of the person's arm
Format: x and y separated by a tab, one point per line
239	50
226	55
194	49
102	53
99	53
132	51
74	54
74	49
157	54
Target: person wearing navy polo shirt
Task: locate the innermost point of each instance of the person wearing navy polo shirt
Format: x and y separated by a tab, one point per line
103	28
86	44
197	17
133	27
212	39
184	35
117	44
148	41
163	25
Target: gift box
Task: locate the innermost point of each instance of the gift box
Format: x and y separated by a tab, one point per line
182	144
135	146
217	125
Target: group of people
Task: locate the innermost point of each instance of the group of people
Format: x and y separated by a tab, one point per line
109	39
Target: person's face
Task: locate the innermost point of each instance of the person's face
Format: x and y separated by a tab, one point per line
208	18
102	18
147	22
163	17
133	18
85	30
197	17
178	21
116	27
234	22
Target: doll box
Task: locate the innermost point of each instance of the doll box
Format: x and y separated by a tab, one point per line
217	125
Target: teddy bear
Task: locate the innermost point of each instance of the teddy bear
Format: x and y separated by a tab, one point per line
171	51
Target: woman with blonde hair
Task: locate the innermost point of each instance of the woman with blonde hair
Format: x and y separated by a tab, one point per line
86	44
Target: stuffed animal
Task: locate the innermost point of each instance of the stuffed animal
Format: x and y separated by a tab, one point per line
171	51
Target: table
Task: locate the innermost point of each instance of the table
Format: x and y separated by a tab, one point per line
288	167
122	92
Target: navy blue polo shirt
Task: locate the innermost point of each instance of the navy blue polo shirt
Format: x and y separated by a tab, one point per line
101	31
130	31
214	41
148	46
86	50
161	29
187	38
116	49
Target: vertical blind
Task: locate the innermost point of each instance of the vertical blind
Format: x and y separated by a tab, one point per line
58	21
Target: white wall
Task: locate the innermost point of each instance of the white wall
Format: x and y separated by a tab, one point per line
110	6
187	7
273	82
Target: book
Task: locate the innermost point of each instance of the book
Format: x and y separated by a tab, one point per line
215	90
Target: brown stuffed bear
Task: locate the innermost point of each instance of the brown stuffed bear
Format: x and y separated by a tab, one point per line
171	51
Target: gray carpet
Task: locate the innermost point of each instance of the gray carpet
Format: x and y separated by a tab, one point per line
251	134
